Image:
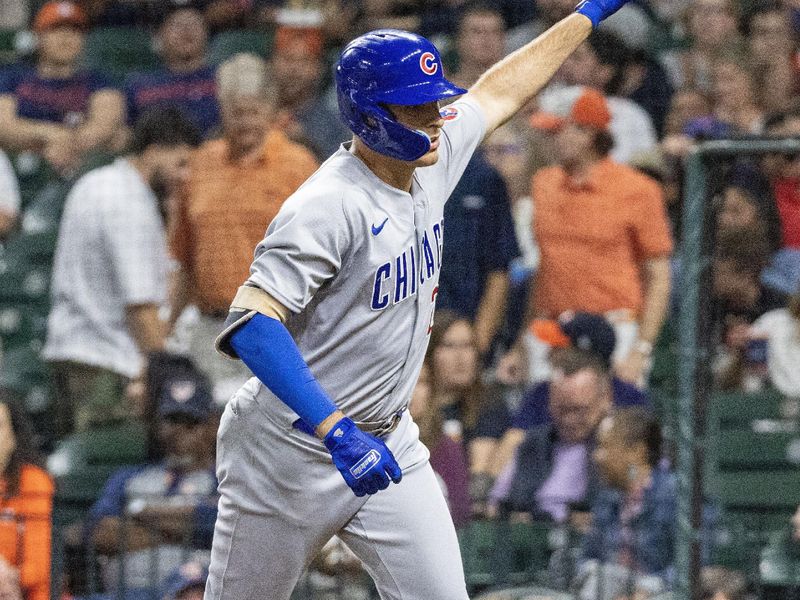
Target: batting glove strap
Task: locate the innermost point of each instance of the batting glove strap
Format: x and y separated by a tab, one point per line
364	461
598	10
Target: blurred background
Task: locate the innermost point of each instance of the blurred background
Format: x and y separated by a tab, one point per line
145	145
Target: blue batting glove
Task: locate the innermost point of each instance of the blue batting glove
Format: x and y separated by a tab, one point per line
599	10
363	460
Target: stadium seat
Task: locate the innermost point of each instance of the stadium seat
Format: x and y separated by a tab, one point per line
503	553
477	541
741	409
43	212
664	373
33	174
737	541
665	405
780	563
119	51
81	466
108	447
22	281
752	456
751	450
32	249
82	463
21	367
23	372
7	46
527	554
761	490
21	324
228	43
535	592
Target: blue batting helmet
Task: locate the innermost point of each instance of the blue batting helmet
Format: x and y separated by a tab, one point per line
389	66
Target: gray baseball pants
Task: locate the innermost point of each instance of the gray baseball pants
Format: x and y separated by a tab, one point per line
281	500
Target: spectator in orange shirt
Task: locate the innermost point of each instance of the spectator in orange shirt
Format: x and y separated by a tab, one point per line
235	188
604	238
26	504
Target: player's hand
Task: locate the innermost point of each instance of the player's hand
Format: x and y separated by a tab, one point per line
364	461
599	10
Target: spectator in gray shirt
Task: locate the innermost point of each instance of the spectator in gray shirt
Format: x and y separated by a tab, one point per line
110	274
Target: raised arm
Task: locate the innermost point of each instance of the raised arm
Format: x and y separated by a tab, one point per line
511	83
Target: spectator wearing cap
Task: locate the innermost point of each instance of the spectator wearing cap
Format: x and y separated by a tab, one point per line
604	238
578	341
235	186
186	80
56	108
110	274
551	468
187	582
167	507
298	70
599	63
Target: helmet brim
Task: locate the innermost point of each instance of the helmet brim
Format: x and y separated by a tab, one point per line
421	93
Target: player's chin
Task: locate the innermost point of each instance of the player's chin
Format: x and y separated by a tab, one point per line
429	158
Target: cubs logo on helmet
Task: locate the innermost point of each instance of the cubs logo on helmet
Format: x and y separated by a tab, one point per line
428	63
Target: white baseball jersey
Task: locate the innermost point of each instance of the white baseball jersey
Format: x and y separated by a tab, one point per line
357	263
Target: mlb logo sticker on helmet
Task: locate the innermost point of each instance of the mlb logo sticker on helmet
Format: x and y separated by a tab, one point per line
428	63
449	113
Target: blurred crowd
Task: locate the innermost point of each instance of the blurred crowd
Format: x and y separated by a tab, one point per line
145	145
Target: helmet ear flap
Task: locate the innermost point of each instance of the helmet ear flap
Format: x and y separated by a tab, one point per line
378	129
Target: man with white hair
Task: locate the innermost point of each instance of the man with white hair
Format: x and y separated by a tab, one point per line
235	187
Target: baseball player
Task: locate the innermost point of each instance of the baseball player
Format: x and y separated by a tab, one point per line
334	322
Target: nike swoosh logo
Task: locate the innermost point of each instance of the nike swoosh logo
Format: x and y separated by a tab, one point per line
379	228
